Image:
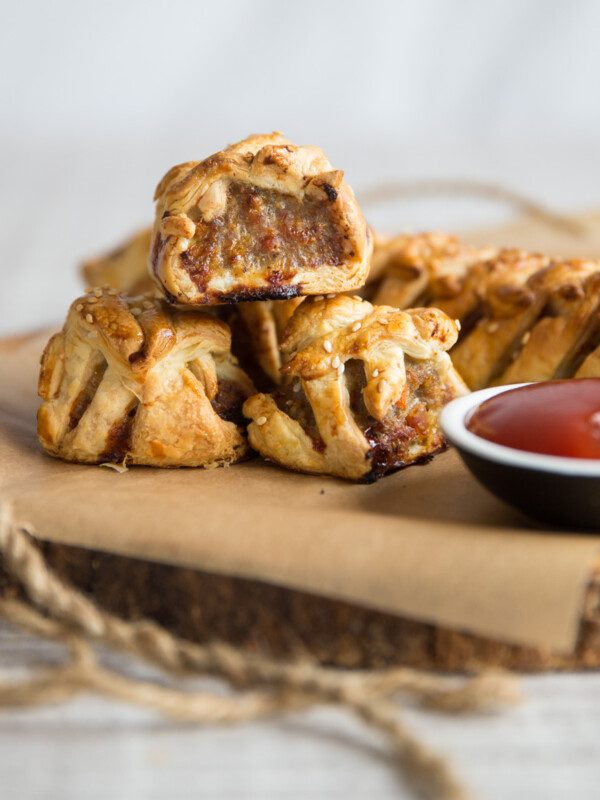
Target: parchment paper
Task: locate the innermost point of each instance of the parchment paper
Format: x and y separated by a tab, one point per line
426	543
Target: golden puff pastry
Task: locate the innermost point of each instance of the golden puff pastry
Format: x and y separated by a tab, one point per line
524	316
417	269
264	219
536	323
132	380
125	268
363	387
501	276
437	269
257	329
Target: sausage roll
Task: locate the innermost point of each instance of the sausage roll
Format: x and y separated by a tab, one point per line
536	323
524	316
362	391
133	380
264	219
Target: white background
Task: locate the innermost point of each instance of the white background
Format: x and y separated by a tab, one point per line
99	99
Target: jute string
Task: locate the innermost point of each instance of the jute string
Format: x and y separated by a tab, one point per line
401	190
263	686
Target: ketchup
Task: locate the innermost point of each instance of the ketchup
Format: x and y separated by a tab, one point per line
559	418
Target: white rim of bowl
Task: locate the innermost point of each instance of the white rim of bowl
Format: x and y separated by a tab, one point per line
453	424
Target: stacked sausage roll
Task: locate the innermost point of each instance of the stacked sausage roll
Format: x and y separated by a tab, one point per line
146	371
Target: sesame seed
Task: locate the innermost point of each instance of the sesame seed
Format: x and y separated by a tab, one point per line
136	311
318	298
526	337
357	297
113	292
89	318
375	373
92	300
98	292
147	304
261	421
493	327
79	307
289	402
356	327
335	362
457	323
330	296
381	386
327	346
297	387
340	370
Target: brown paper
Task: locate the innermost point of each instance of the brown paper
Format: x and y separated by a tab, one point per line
426	543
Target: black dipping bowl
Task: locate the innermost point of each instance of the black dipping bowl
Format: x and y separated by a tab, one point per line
555	490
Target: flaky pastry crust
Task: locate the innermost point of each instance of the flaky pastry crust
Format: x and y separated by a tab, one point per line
524	316
257	329
537	322
264	219
418	269
363	389
132	380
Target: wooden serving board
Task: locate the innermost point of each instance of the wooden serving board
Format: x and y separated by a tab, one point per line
427	544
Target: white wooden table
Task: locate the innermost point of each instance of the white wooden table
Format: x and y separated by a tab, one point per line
93	749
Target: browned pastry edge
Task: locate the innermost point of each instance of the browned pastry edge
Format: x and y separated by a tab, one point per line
287	623
361	391
132	380
298	228
524	316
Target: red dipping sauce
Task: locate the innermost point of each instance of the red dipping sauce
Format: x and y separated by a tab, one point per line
558	418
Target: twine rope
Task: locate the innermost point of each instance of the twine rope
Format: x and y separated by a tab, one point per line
264	686
400	190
